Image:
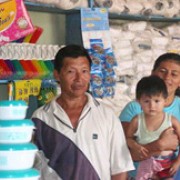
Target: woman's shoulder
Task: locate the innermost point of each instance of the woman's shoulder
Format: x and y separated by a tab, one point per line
174	108
177	99
133	104
176	103
130	110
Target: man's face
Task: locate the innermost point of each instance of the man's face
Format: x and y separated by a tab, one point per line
74	76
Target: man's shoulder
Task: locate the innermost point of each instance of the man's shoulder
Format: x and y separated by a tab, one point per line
99	103
42	110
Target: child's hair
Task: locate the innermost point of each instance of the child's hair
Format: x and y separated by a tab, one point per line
150	86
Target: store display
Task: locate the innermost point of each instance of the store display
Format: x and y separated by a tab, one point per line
26	69
29	69
116	6
17	156
16	131
12	110
33	38
69	4
19	72
5	71
128	68
96	39
47	92
28	174
15	22
103	3
66	5
27	61
17	153
24	88
136	45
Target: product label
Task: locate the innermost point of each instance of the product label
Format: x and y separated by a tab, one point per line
7	14
15	22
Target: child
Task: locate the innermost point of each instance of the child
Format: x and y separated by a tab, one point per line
151	93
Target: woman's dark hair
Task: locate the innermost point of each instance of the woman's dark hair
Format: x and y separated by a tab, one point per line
73	51
150	86
166	57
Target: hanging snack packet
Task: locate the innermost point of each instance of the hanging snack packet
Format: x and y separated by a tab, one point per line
109	91
98	92
47	92
96	79
14	21
110	58
97	46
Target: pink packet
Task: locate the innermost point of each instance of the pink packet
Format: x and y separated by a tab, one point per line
15	22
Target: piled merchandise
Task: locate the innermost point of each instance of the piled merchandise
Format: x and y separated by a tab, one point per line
17	153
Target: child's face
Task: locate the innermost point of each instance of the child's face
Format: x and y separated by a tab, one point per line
152	105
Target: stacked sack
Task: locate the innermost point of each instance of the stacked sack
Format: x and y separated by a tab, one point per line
17	153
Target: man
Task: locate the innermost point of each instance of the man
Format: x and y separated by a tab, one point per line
79	137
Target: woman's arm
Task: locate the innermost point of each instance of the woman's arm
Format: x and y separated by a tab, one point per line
176	164
167	141
163	143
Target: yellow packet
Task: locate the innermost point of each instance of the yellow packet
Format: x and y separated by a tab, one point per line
24	88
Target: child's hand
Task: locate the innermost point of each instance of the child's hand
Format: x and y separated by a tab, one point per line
138	152
143	152
167	136
174	167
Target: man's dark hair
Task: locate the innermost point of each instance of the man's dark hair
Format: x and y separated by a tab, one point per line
73	51
150	86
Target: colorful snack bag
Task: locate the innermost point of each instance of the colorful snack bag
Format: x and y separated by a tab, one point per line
14	21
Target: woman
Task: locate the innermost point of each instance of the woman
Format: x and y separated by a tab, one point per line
167	67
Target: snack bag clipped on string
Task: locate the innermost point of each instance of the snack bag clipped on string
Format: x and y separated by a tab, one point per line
47	92
15	22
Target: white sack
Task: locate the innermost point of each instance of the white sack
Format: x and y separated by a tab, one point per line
69	4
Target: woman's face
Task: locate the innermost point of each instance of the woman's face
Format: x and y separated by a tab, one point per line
74	76
169	71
